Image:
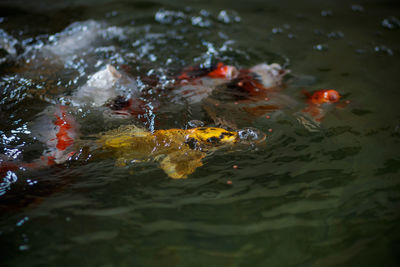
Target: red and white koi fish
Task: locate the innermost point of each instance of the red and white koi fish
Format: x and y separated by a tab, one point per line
269	75
58	130
258	81
58	133
320	101
195	83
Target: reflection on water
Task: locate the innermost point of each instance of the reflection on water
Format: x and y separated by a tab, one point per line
315	193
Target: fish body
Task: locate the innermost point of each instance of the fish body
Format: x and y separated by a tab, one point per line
58	130
320	101
324	96
196	84
179	151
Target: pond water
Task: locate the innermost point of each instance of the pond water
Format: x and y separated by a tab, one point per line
315	194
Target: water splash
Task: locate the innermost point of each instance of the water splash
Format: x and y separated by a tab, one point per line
391	23
10	178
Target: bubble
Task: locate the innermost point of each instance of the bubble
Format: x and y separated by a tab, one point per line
383	49
31	182
195	123
335	35
228	17
357	8
8	44
277	30
9	179
326	13
251	135
169	17
200	22
22	221
391	23
320	47
23	247
111	14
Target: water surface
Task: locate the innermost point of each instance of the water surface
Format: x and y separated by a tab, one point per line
321	196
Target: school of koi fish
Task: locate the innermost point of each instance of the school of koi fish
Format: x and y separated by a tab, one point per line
215	87
199	133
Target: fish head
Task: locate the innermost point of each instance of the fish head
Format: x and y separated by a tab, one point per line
325	96
212	136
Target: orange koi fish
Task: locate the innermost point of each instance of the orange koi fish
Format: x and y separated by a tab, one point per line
223	71
317	102
219	71
324	96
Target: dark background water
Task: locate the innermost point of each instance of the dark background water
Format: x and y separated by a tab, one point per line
327	197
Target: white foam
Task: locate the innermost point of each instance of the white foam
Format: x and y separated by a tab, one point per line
103	86
76	37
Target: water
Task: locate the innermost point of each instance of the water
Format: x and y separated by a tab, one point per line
313	195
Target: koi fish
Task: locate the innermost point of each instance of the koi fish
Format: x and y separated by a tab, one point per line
180	152
58	130
196	83
59	134
252	91
323	96
318	100
243	86
259	80
193	85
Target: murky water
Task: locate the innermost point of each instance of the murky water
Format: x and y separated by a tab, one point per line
316	194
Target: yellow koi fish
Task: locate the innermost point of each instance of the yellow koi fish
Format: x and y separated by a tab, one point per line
179	151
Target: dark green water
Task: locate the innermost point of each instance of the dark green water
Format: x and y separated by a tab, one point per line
326	197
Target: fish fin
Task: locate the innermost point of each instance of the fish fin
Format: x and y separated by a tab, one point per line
123	136
180	164
126	130
132	128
